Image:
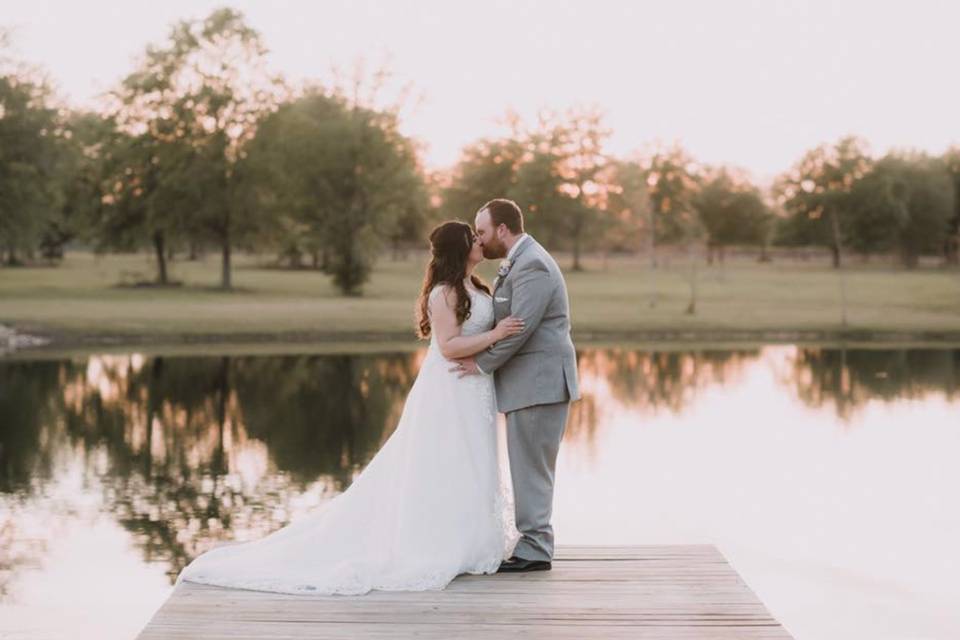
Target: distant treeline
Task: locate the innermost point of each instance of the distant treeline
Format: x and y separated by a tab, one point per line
202	148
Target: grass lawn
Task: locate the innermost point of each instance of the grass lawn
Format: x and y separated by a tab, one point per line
79	300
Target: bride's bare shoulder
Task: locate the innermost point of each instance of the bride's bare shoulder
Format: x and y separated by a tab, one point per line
442	295
442	289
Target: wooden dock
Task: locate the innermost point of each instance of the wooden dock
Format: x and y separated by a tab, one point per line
655	592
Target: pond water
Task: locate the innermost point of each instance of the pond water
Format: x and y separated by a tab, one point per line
829	478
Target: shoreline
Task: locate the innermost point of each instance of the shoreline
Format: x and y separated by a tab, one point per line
34	341
76	307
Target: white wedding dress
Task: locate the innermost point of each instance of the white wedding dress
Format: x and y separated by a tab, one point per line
429	506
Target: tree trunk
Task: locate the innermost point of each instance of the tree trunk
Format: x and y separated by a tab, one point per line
348	277
764	254
838	265
576	252
223	394
691	254
835	256
225	274
652	253
909	258
294	257
226	234
160	249
951	250
692	307
154	402
835	246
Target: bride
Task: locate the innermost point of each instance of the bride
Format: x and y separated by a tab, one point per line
429	505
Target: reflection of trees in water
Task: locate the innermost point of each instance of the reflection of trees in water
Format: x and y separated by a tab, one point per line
29	401
324	413
848	378
190	451
157	436
647	381
32	448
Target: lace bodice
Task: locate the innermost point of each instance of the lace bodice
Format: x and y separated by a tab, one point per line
481	319
481	313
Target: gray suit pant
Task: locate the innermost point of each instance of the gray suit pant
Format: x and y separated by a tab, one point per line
533	440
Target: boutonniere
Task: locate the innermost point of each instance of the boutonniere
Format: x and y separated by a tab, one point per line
504	267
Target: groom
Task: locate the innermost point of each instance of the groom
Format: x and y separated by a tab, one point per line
535	372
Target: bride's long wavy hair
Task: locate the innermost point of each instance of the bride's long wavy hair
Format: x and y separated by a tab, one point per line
450	245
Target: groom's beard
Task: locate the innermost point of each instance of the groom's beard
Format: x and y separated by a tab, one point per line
494	249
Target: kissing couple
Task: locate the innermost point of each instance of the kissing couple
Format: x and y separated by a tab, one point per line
430	506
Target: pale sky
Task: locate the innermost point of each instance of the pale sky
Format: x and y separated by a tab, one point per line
752	84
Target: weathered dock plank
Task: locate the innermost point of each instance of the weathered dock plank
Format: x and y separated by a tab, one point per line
653	592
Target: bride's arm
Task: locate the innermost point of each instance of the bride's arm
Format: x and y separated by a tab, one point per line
443	323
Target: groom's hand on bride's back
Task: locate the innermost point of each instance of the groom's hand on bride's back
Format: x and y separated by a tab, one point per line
465	367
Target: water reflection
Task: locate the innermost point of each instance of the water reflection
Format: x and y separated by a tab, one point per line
181	453
189	451
846	379
646	381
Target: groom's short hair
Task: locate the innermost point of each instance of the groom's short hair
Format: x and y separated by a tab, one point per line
503	211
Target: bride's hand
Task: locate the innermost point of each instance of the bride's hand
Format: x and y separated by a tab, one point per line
509	326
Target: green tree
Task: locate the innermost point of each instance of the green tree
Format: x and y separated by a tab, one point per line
539	192
408	223
189	110
630	216
673	181
30	136
951	249
487	169
579	137
515	167
139	202
815	193
555	169
345	173
732	212
629	207
80	177
905	203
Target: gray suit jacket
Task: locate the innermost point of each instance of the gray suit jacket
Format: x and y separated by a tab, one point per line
538	365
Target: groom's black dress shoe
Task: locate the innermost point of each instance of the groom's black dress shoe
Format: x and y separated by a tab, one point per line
516	565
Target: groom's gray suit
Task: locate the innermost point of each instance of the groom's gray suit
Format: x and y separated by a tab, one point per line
535	375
